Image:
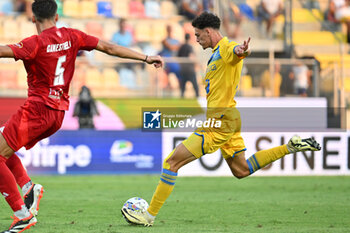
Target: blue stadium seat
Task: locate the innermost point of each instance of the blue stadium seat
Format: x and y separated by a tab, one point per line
104	8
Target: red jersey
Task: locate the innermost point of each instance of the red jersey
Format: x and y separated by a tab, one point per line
49	59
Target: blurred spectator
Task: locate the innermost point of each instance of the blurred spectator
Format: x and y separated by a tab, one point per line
269	10
232	13
208	5
170	49
311	4
20	6
187	71
191	8
287	86
24	7
301	75
339	12
85	109
136	9
123	37
267	82
152	8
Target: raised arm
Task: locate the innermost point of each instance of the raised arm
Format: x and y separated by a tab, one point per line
6	51
243	50
120	51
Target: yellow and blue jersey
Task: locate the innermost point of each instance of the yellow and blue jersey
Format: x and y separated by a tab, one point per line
222	79
222	75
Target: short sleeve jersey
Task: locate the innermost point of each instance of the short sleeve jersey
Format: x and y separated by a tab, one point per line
223	75
49	59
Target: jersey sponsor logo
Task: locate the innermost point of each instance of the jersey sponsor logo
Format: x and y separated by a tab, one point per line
19	45
58	47
55	93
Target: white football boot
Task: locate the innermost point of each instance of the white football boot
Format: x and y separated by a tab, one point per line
138	217
296	144
32	198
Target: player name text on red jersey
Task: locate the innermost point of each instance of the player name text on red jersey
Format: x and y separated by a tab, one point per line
58	47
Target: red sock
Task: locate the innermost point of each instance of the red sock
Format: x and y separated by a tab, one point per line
8	187
17	169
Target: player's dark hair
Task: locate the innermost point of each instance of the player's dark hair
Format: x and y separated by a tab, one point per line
44	9
206	20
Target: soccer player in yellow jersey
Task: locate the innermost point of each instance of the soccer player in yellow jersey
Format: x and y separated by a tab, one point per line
222	78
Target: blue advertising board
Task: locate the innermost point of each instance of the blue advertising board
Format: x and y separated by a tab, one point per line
95	152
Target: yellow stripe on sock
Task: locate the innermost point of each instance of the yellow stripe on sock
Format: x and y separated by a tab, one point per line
169	176
167	179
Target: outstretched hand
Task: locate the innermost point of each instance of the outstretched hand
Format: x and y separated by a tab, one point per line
157	61
243	49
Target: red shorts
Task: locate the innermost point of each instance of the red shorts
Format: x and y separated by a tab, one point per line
33	122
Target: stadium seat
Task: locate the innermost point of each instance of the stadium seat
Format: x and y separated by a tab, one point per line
315	38
89	9
127	78
329	59
158	31
111	78
78	80
27	28
71	8
152	9
104	8
22	78
94	28
246	82
121	8
136	9
168	9
93	79
109	28
347	84
11	29
78	24
143	32
8	78
301	15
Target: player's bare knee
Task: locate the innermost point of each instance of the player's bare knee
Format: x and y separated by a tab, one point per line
173	165
240	174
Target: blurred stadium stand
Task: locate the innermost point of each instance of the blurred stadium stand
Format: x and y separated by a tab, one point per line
301	34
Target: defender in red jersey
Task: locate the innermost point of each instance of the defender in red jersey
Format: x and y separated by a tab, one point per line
49	59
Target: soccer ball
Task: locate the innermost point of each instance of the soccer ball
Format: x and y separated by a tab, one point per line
136	204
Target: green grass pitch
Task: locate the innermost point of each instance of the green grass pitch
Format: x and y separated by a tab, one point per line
82	204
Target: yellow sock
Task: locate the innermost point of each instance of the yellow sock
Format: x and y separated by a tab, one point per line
164	188
262	158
